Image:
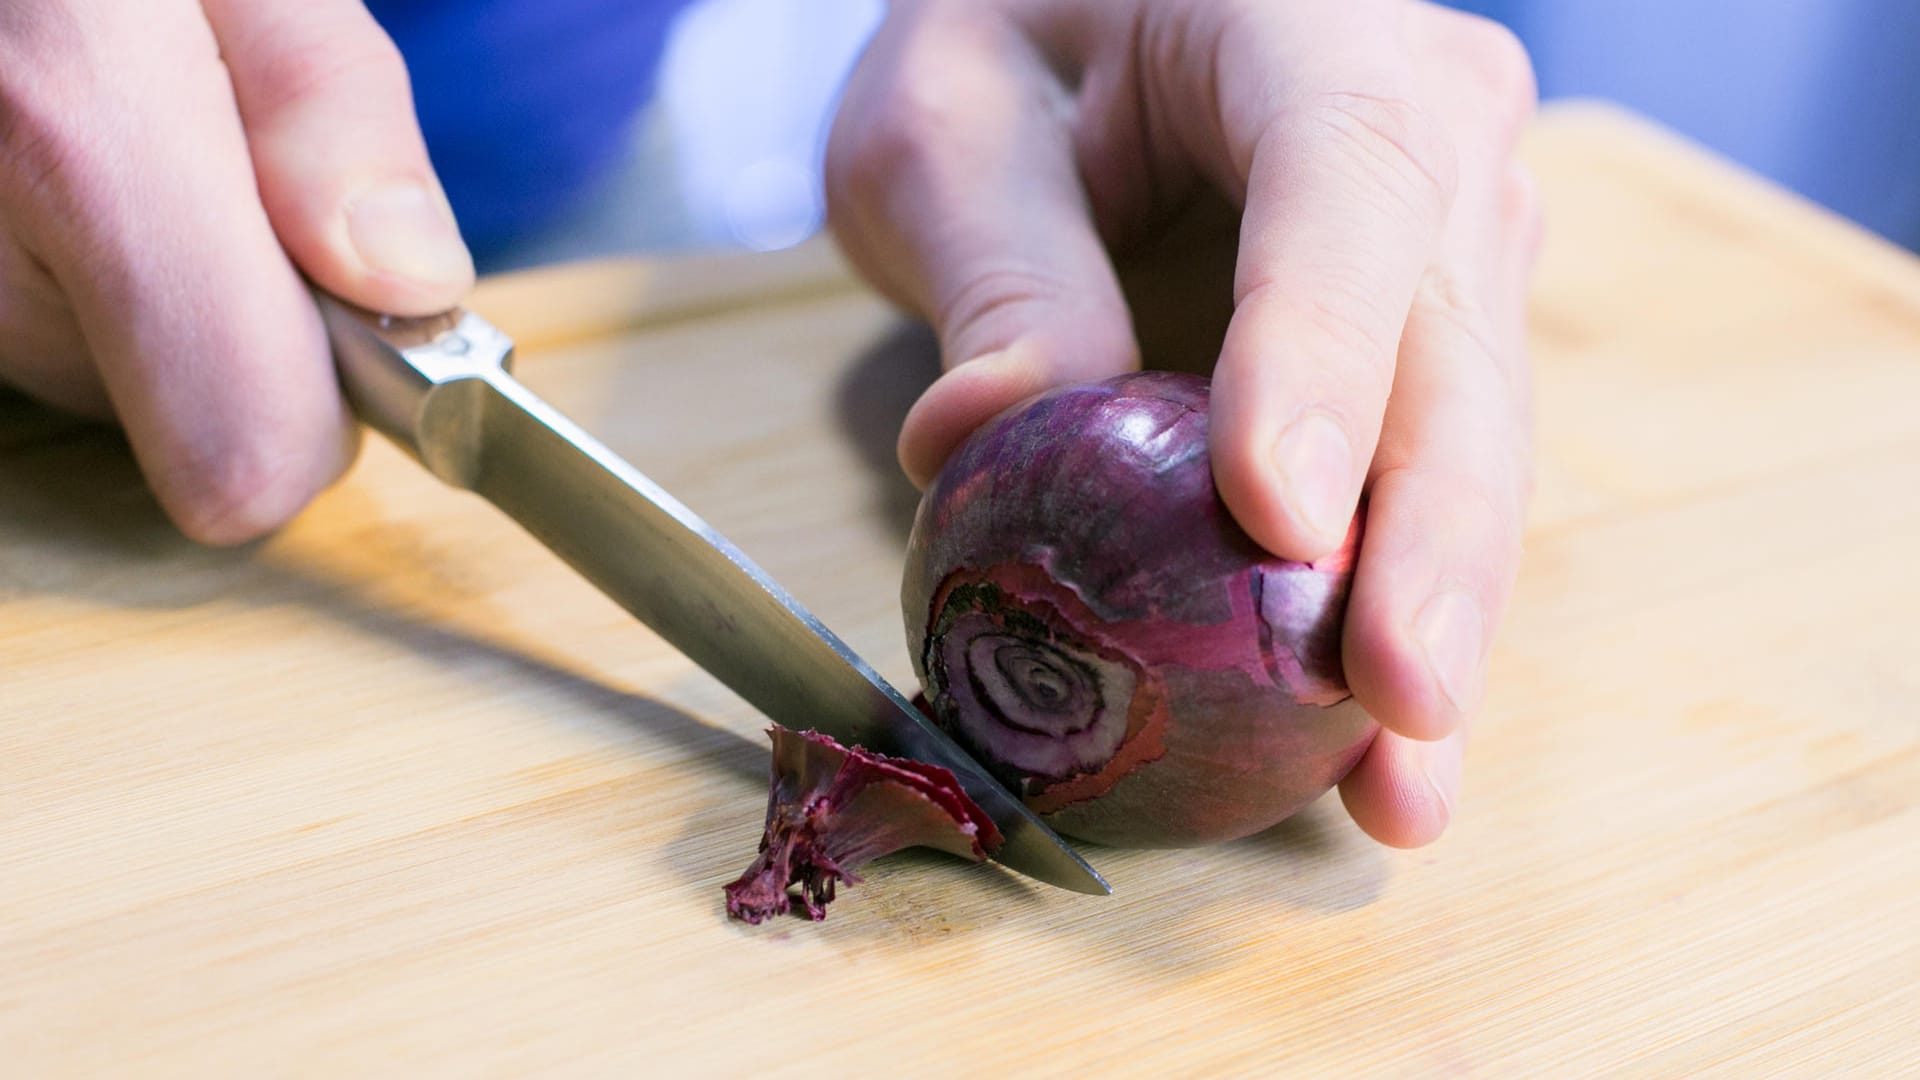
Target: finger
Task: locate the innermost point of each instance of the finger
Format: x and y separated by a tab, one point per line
1403	792
1521	221
1348	184
952	184
145	212
1480	80
41	351
1444	521
1453	474
342	168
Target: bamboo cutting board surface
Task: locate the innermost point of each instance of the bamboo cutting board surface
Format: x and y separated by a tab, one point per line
393	793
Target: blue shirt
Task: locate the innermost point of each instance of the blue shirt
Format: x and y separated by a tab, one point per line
525	102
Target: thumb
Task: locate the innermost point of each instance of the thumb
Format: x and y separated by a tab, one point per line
342	169
952	183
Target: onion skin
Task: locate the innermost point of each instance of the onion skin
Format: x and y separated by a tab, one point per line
831	809
1090	623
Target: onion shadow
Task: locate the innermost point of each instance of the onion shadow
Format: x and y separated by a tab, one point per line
1174	914
871	402
76	519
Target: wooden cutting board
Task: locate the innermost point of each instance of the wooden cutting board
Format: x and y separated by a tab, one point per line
393	793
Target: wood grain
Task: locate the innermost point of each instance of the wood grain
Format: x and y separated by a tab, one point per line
392	793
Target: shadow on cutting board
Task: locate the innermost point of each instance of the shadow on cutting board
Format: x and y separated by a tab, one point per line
77	520
872	401
1174	913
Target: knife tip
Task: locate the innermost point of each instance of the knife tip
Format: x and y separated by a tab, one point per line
1040	855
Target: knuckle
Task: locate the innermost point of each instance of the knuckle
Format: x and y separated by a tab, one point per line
989	295
35	40
999	306
919	110
43	126
1475	509
231	497
1489	512
1498	62
290	73
39	152
891	139
931	91
1346	327
1504	489
1397	137
42	351
1453	330
1370	379
1451	308
1458	345
1502	59
1520	201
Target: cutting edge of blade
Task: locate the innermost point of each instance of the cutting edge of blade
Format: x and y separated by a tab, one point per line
1031	852
1031	847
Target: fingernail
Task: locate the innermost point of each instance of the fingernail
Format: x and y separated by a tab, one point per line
1453	632
401	228
1316	467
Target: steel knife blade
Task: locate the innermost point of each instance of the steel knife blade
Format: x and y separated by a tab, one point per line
440	388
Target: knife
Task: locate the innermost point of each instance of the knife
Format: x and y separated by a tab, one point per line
438	386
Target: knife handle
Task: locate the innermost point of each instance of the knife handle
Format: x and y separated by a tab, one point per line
420	381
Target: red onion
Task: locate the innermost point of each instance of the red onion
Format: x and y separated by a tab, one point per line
1091	624
833	808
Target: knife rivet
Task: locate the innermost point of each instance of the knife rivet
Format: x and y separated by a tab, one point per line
456	344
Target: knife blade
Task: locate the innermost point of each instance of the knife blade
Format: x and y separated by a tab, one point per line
439	387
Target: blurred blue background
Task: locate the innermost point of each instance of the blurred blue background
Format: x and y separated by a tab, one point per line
1820	95
1823	96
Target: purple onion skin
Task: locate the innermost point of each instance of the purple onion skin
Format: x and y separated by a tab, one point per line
1090	623
831	809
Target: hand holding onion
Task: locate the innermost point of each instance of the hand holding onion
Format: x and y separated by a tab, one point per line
1321	194
1090	623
